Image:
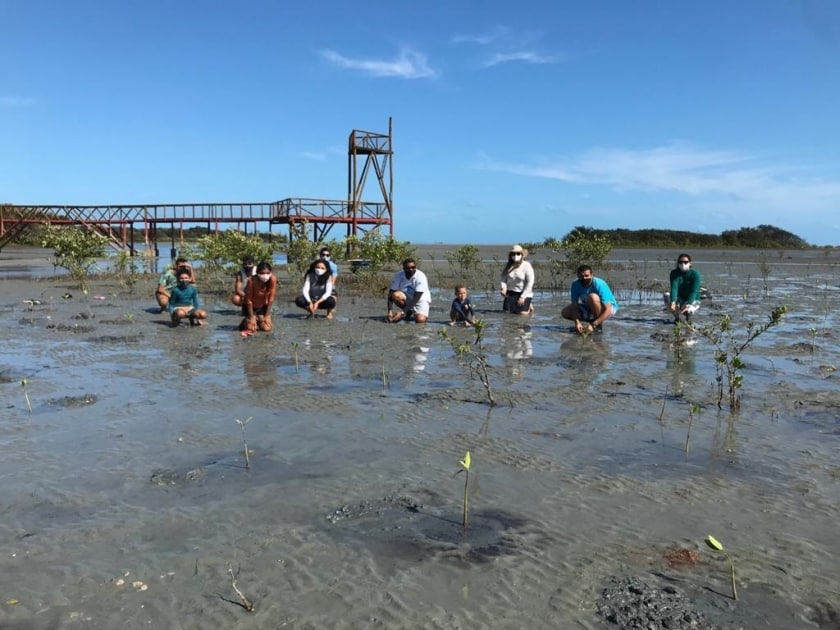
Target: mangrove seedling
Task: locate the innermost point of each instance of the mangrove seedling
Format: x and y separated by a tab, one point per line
26	396
295	350
465	467
693	409
728	349
714	544
242	424
475	356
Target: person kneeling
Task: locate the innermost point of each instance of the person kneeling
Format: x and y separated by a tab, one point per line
317	290
184	302
592	304
258	300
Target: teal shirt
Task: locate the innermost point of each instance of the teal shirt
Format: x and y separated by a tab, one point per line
184	297
685	286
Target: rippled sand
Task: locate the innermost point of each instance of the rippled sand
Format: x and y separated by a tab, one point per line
130	473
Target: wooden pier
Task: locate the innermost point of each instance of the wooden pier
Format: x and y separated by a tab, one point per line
368	153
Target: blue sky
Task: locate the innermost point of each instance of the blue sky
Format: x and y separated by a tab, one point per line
513	121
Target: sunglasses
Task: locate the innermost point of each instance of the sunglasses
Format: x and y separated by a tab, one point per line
409	268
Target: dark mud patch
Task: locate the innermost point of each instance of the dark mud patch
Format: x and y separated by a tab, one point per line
216	467
71	328
118	339
629	602
401	528
73	401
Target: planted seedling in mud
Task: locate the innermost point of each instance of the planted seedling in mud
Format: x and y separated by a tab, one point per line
26	396
474	355
714	544
813	333
242	424
693	410
728	350
465	467
295	351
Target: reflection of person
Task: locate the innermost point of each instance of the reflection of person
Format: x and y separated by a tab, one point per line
184	302
409	295
240	284
317	289
592	304
326	254
684	298
169	279
258	300
461	310
517	283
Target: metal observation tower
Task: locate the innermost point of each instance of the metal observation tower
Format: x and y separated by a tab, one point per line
369	156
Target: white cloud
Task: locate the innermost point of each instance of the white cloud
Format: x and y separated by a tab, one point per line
409	64
523	56
735	175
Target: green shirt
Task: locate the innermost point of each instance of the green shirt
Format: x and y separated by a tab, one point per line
685	286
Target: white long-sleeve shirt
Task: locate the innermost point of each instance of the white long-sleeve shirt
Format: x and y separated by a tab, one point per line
519	279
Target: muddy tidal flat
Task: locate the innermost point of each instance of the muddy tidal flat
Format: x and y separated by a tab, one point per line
127	500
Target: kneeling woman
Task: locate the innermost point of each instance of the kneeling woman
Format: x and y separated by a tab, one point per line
517	283
259	297
317	289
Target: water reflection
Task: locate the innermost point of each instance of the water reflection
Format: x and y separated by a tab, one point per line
516	346
588	357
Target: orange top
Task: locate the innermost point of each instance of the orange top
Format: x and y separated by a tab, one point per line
261	294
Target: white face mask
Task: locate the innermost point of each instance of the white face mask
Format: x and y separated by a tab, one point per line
265	276
684	266
320	272
517	256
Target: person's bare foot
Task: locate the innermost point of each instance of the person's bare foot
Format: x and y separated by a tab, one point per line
329	314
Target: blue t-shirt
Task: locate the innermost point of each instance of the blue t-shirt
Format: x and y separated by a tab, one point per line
184	297
579	292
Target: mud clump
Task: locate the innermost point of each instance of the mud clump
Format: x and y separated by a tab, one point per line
630	603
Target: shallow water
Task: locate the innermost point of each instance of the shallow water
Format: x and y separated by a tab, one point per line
131	463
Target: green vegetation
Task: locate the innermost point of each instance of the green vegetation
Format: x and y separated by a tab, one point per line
728	350
475	356
761	237
464	259
75	249
712	542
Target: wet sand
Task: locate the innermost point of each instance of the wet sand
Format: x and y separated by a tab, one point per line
130	468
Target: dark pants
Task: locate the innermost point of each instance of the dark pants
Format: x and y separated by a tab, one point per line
512	305
326	305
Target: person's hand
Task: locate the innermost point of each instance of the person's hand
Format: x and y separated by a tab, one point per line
251	324
521	300
673	307
503	293
267	320
578	327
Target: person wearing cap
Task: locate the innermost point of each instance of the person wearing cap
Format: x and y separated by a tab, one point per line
593	302
240	284
326	254
517	283
684	297
409	295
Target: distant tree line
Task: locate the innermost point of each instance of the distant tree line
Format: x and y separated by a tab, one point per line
760	237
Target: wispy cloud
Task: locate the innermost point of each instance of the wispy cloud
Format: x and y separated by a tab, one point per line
481	39
524	56
408	64
315	156
16	101
681	169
